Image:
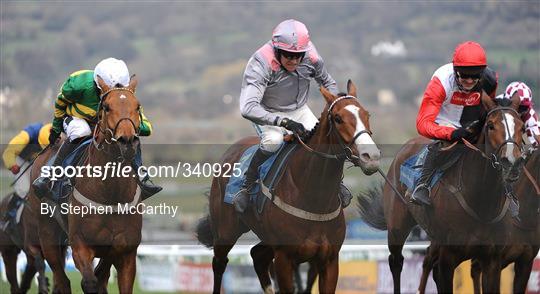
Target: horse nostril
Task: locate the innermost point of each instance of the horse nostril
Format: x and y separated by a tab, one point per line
125	139
365	156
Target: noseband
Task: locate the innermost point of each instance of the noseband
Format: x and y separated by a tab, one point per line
102	117
495	161
347	153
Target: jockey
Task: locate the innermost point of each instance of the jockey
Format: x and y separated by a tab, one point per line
20	152
275	89
526	110
76	112
451	106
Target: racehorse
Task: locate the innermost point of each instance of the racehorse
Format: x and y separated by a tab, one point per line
113	237
524	243
304	221
468	202
10	249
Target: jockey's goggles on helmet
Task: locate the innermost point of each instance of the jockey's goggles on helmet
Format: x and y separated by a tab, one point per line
292	55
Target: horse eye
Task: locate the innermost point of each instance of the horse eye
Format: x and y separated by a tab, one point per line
338	119
490	126
139	107
106	107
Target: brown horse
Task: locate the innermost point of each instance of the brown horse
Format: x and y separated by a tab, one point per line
10	250
304	220
106	233
468	202
524	243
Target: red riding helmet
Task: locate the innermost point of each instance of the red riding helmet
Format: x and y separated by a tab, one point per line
469	54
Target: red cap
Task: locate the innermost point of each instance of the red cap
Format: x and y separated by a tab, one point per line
469	54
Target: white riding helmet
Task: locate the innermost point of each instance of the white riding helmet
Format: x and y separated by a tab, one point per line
113	72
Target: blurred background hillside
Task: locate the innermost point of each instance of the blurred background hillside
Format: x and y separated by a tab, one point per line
190	56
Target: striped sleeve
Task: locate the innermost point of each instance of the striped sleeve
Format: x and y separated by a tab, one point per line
145	127
14	148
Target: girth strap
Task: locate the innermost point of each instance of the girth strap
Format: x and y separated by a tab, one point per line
471	212
87	202
317	217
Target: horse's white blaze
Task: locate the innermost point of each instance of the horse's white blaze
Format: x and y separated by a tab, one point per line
123	96
364	142
509	125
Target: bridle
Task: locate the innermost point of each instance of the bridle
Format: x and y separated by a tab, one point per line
102	118
347	153
495	161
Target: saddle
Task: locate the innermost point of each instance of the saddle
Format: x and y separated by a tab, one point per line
63	187
411	169
270	173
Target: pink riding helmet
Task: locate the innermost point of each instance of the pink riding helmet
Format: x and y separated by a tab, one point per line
292	36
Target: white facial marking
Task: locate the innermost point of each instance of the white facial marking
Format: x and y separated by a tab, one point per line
365	138
509	125
123	96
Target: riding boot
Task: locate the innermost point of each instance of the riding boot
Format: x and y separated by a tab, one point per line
9	219
241	199
421	194
42	184
345	195
148	188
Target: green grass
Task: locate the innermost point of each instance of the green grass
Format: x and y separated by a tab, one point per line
75	279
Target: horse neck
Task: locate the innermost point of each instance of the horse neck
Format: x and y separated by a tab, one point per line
318	178
482	184
526	193
114	183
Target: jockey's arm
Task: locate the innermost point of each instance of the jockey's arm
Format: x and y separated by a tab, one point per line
532	127
323	78
60	105
434	97
254	83
145	128
14	148
490	82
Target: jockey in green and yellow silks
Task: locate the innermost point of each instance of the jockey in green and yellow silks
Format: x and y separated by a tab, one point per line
76	114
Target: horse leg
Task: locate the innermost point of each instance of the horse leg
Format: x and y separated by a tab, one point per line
9	255
33	256
399	228
395	261
219	263
83	256
328	275
102	273
284	272
313	271
522	272
427	265
476	273
56	259
126	271
491	275
29	272
447	263
262	256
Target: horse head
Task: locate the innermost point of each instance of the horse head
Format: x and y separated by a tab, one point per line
348	122
502	132
119	118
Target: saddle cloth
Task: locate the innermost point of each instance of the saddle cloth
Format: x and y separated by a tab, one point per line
411	169
269	172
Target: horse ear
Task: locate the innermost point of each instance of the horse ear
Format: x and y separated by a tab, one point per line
351	88
327	95
487	101
516	100
133	83
102	85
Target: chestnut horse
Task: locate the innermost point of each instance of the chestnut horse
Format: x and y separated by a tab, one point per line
524	242
112	237
468	202
10	249
304	221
